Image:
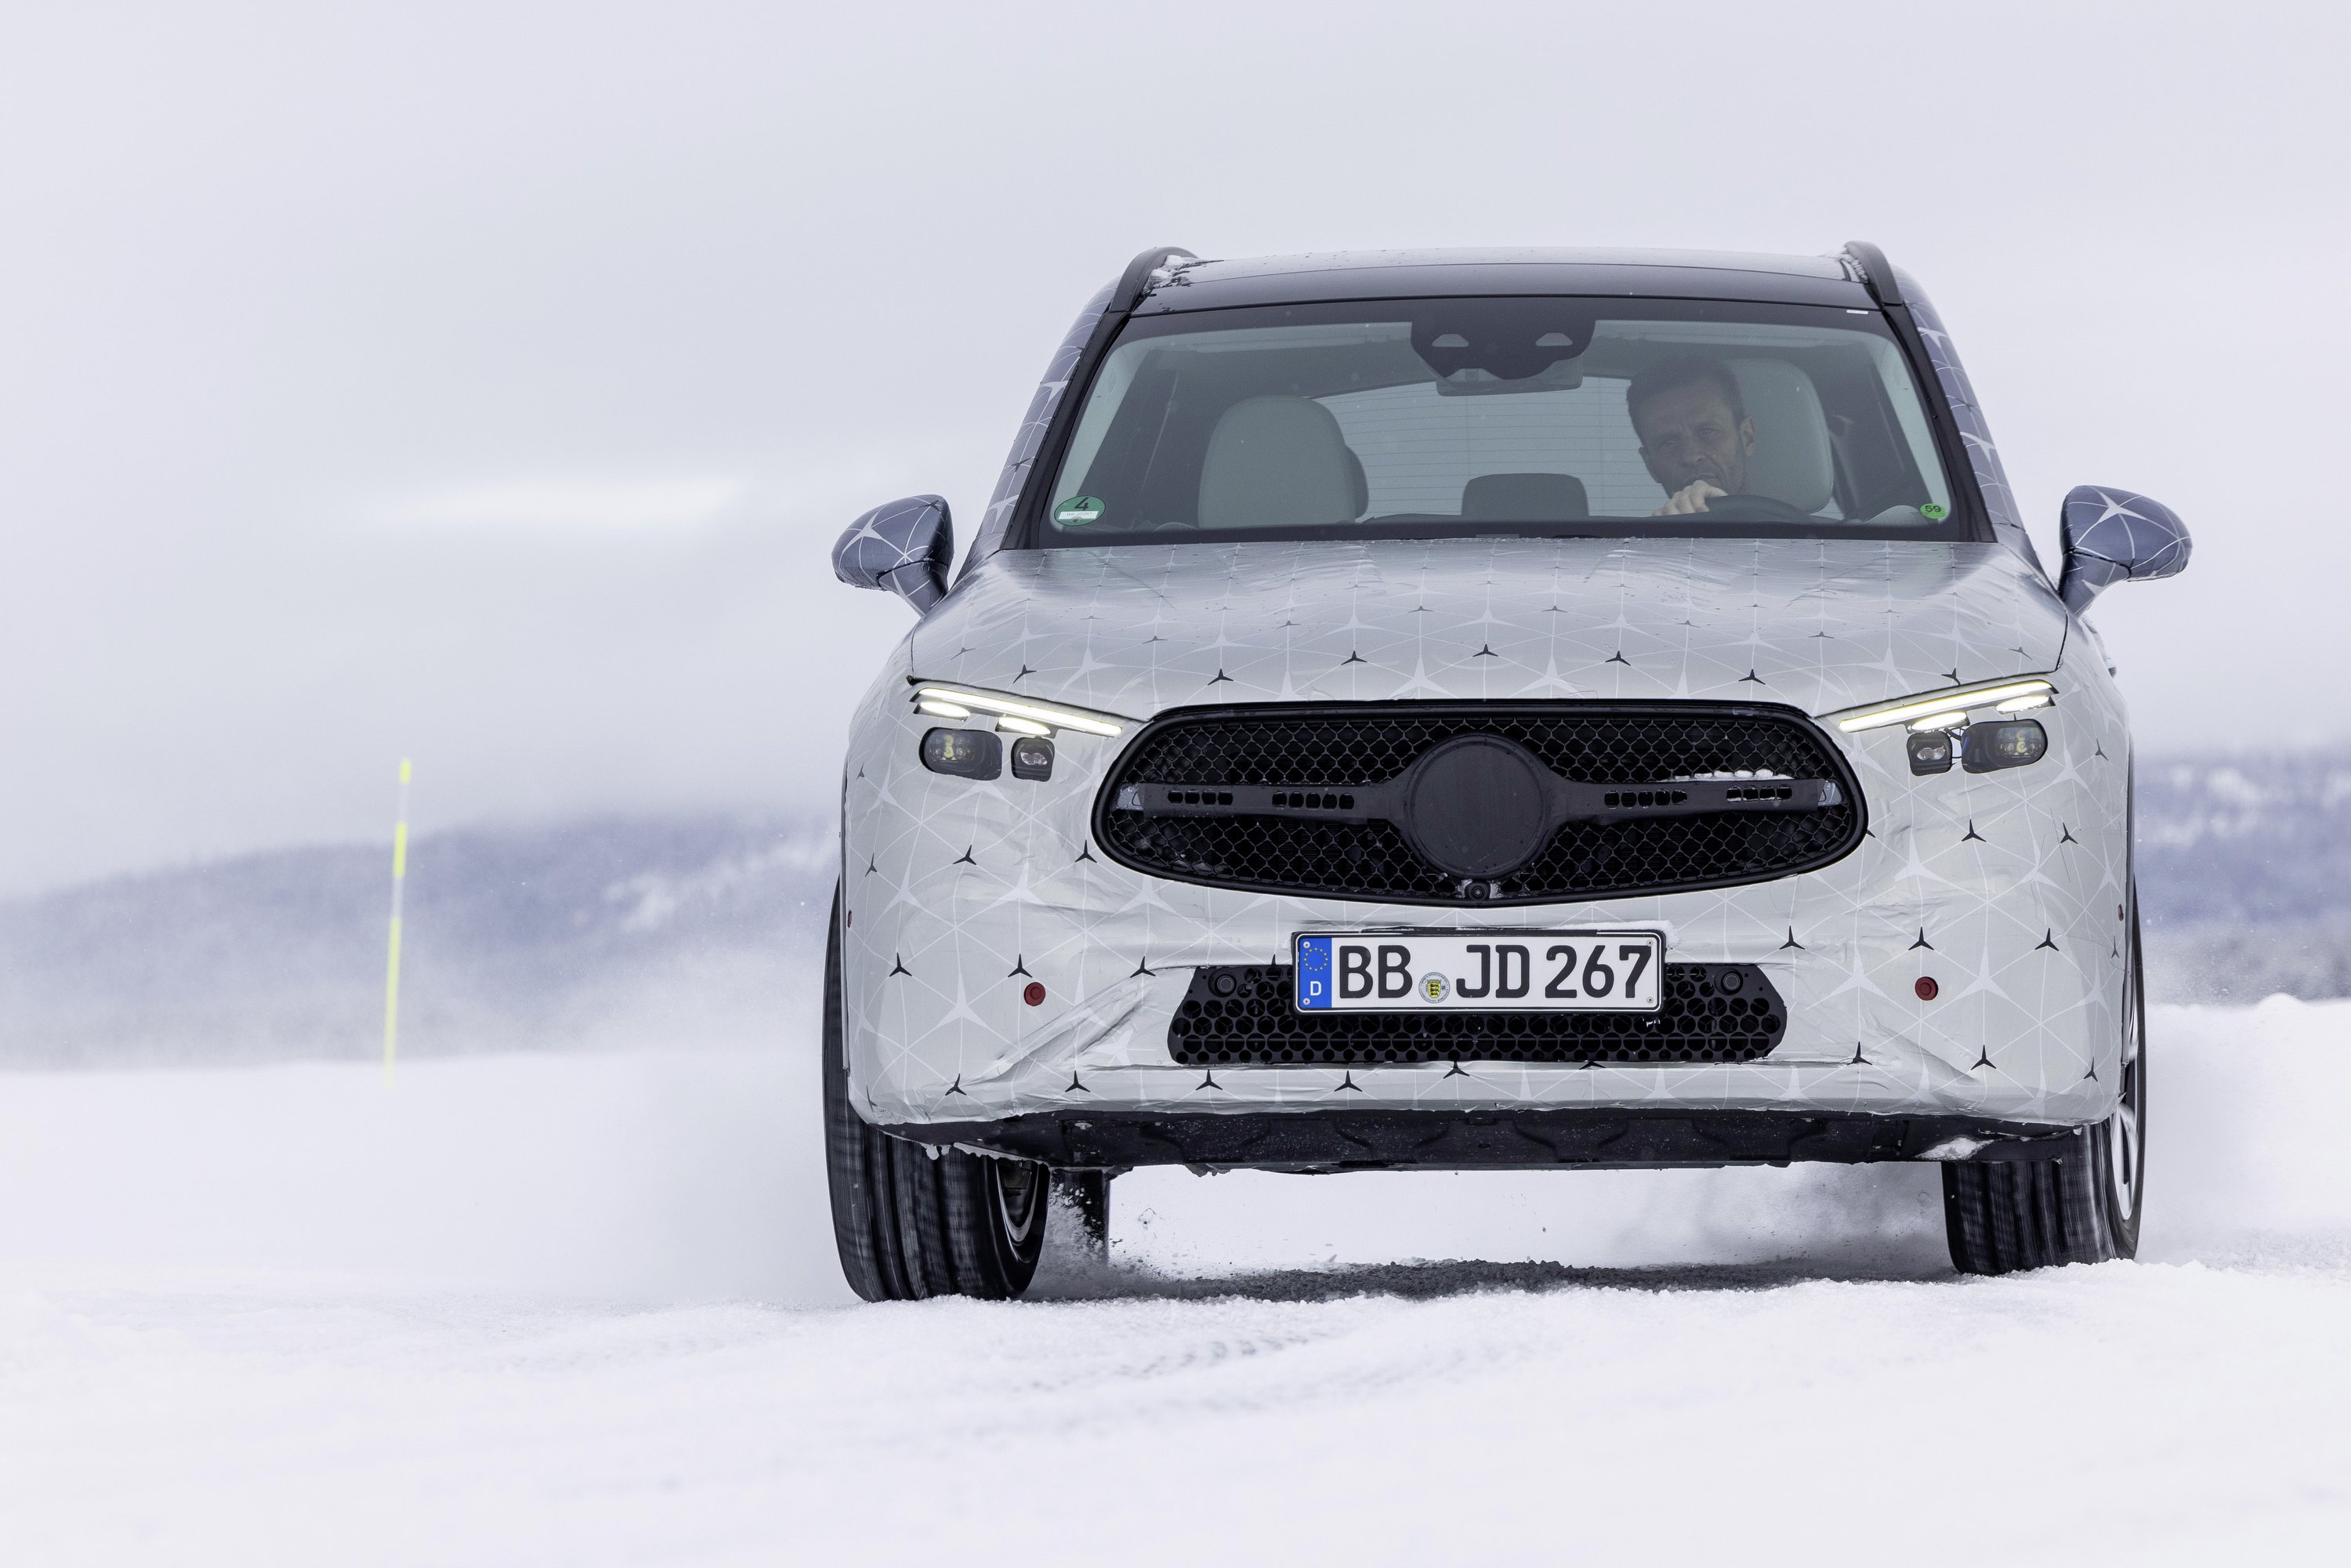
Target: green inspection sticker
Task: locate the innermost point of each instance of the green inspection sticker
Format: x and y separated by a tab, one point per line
1934	511
1080	510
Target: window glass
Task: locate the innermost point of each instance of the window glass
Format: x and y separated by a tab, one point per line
1426	418
1420	450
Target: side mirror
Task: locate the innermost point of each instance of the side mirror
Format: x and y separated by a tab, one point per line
2112	536
903	547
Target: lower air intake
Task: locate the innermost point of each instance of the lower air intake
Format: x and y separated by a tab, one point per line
1240	1016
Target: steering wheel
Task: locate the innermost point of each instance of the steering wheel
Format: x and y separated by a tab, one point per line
1753	508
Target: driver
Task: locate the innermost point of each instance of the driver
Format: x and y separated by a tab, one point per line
1695	434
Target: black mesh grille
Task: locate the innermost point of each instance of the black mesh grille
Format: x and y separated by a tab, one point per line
1240	1015
1591	743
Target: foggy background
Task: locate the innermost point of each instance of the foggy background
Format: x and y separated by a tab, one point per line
487	383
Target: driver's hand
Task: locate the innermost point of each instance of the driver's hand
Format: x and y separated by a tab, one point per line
1690	498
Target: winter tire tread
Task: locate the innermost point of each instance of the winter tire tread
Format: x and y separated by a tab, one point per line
909	1222
2001	1217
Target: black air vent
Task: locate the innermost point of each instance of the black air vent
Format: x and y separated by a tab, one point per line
1240	1015
1495	803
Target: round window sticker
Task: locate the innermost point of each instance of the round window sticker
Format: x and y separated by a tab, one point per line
1934	511
1080	510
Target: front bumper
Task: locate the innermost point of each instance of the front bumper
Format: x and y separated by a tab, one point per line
2007	889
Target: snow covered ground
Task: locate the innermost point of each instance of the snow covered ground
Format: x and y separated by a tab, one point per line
582	1309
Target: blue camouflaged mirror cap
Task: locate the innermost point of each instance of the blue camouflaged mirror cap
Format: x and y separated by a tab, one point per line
2112	536
902	546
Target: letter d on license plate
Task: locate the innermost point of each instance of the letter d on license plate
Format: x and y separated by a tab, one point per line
1480	971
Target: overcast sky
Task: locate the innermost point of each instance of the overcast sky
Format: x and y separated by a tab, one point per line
486	382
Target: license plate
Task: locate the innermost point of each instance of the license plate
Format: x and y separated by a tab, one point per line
1484	971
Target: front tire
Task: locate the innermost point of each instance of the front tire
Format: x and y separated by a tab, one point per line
2083	1208
911	1220
2122	1137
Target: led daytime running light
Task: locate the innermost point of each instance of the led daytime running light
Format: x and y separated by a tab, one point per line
1035	713
1943	703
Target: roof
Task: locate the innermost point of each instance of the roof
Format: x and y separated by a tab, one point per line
1419	274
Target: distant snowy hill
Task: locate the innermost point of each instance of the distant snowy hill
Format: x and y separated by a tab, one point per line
696	928
2265	840
2244	868
702	931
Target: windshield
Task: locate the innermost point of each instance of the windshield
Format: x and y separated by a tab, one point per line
1427	418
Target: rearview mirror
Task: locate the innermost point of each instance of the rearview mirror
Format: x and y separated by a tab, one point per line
903	547
2113	535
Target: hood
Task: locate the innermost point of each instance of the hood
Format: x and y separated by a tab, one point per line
1818	625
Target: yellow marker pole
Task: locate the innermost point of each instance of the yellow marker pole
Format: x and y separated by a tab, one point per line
392	964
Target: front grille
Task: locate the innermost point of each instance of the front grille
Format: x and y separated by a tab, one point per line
1318	800
1240	1016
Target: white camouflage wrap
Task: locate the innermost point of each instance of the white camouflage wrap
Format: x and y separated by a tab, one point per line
2008	888
1959	393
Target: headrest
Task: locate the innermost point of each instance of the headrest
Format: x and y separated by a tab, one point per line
1793	461
1525	498
1276	461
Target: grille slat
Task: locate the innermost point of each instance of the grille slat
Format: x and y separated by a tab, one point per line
1240	1016
1791	805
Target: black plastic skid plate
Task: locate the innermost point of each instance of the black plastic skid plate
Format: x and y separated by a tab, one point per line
1496	1139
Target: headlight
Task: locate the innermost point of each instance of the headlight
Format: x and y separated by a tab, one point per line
979	753
1948	710
2014	743
962	753
1014	715
1984	747
1945	727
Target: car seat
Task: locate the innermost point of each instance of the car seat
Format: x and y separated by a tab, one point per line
1793	461
1525	498
1276	462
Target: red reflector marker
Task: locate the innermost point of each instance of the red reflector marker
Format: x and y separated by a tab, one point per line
1033	993
1926	988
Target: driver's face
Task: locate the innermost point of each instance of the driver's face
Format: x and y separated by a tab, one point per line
1688	434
